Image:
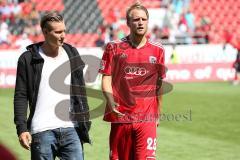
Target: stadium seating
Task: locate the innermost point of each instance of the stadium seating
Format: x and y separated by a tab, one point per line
84	17
48	5
224	15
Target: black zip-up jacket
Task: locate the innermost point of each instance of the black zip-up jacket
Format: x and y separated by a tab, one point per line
29	70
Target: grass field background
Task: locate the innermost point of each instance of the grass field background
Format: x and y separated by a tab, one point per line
212	133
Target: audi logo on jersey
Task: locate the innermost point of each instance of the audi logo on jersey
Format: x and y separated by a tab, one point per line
137	71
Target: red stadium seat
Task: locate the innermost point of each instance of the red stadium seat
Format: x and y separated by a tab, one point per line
223	14
49	5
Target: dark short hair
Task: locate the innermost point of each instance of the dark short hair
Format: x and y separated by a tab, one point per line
136	5
50	17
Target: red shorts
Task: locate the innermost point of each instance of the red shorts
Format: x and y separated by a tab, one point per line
133	141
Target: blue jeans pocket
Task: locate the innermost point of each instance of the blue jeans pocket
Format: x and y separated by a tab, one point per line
41	146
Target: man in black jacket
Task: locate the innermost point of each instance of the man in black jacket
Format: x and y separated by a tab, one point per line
58	122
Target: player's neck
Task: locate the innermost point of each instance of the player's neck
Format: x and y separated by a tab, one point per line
49	50
137	41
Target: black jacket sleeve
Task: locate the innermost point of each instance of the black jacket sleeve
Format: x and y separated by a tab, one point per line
84	123
21	98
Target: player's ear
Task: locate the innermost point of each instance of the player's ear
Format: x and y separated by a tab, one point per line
128	23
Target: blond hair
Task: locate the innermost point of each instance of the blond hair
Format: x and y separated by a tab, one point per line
136	5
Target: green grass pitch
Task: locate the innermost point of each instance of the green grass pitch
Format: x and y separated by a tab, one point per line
211	132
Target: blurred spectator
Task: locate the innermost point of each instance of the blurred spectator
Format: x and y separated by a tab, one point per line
236	66
109	34
236	44
183	34
206	26
4	32
202	29
32	29
113	16
205	22
34	15
23	42
190	19
119	33
99	41
174	55
183	23
178	6
167	20
172	35
165	33
102	29
155	34
6	12
16	9
165	3
27	8
227	37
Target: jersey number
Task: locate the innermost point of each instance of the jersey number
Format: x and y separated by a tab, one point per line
151	143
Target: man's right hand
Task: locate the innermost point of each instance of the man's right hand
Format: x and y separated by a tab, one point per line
25	140
115	111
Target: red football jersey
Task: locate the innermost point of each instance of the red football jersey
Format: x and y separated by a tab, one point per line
135	74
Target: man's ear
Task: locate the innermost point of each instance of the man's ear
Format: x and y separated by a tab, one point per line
45	31
128	23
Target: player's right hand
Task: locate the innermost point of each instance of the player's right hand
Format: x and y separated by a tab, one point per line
115	111
25	140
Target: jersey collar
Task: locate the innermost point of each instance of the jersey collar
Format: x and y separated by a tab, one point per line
130	43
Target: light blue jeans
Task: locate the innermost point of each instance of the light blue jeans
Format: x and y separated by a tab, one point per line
63	143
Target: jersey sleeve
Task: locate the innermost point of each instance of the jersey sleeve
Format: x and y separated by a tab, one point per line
106	62
161	63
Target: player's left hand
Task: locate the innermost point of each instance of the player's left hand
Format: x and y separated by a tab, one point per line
157	122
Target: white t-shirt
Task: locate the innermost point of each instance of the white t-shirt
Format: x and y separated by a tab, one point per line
44	116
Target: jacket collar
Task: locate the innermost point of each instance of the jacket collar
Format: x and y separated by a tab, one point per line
34	49
36	57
